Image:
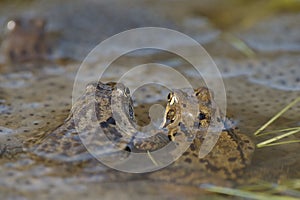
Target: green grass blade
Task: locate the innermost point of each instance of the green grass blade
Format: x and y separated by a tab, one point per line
277	115
243	193
278	143
278	131
262	144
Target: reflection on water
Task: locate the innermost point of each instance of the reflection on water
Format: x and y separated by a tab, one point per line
35	100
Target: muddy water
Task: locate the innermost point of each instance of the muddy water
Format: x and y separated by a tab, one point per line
36	99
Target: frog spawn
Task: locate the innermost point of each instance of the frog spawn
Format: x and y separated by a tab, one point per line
249	103
176	170
35	117
237	101
262	102
259	99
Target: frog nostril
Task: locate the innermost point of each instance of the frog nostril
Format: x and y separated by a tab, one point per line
169	96
127	148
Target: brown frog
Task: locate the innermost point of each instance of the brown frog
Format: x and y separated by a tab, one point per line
227	158
96	119
107	130
25	40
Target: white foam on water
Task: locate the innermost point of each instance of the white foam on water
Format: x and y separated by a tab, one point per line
6	131
53	70
4	108
32	105
16	80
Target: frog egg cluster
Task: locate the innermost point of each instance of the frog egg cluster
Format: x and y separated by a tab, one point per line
35	108
282	72
250	102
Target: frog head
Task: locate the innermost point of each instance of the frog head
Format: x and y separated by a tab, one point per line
181	112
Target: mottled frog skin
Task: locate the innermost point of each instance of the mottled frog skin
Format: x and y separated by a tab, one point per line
25	40
227	159
96	119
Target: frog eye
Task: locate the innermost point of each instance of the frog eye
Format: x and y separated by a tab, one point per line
169	97
173	100
127	92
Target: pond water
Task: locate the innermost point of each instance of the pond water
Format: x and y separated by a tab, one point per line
255	45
